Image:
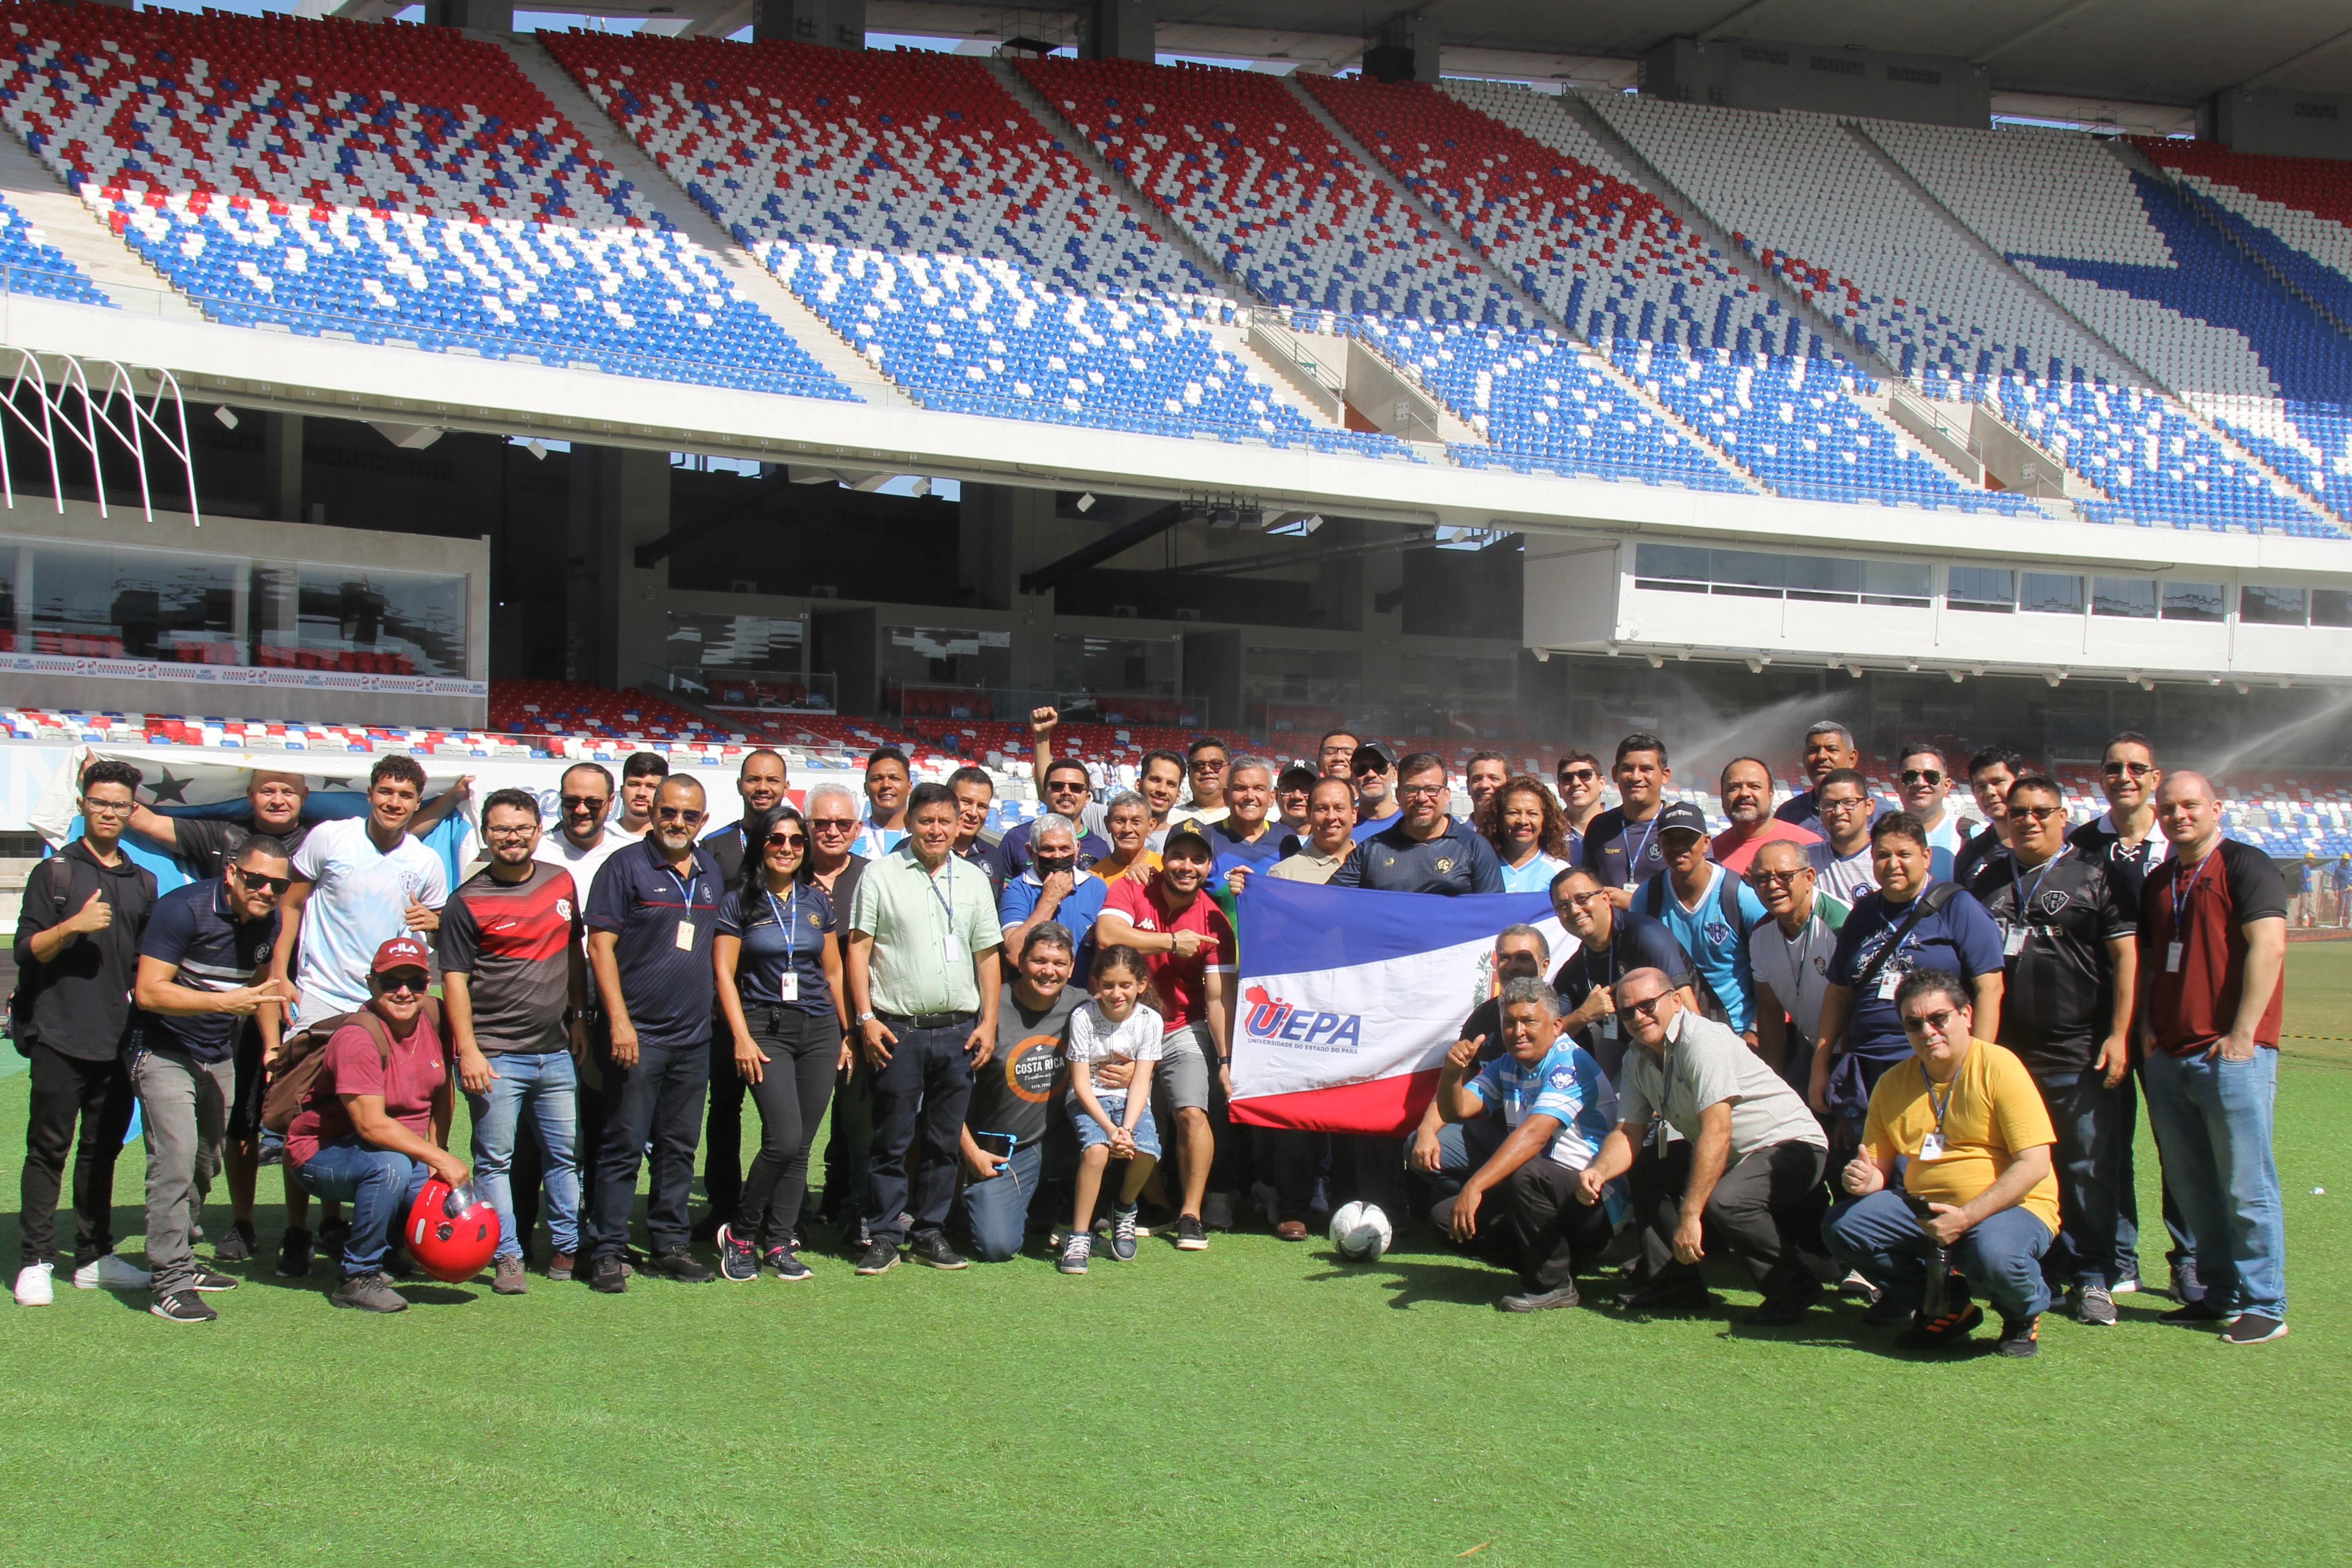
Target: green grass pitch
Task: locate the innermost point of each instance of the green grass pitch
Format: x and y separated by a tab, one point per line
1259	1402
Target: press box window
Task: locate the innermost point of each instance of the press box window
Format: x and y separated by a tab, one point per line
2133	598
1982	588
2195	601
2050	594
2271	606
2331	607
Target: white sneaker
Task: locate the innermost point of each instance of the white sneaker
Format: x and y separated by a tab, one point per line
36	1286
111	1273
1217	1211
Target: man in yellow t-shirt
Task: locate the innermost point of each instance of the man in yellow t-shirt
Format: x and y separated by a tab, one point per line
1973	1139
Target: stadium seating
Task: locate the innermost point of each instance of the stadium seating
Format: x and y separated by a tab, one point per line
2122	251
383	183
929	218
30	265
1678	318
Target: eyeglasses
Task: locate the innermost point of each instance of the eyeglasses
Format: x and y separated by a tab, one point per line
1579	900
1842	807
583	802
2037	813
407	981
1642	1010
1579	776
1930	1023
1067	787
255	880
522	832
108	807
1425	792
2136	770
685	814
1922	776
787	841
832	824
1777	878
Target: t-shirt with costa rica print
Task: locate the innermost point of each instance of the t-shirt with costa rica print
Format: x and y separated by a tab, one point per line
1013	1094
514	941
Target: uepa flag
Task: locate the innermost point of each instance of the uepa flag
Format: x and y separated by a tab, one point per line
1350	999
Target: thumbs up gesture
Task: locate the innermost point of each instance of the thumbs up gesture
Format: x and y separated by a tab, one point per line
95	914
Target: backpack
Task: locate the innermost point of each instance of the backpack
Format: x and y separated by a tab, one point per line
300	1058
41	882
1726	898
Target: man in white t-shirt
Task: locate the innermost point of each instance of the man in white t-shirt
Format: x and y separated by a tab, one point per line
586	840
1789	957
359	881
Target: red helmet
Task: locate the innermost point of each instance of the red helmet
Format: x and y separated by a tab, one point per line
452	1231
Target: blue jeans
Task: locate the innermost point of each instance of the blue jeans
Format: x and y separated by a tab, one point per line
2212	1125
2000	1258
381	1186
996	1211
922	1090
2092	1122
545	1083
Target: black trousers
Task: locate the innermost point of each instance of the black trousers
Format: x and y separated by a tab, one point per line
1288	1160
1552	1236
67	1090
722	1129
1767	1209
849	1150
925	1087
802	1049
658	1100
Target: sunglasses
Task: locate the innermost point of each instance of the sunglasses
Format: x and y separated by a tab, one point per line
1777	878
685	814
1922	776
2037	813
2136	770
1067	787
407	981
1580	775
1642	1010
583	802
275	885
832	824
1206	766
1928	1023
787	841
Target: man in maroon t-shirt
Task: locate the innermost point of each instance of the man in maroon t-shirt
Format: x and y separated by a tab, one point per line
377	1123
2212	955
1189	945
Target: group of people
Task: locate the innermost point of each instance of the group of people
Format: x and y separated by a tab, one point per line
1853	1044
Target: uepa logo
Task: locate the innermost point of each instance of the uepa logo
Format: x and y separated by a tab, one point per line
1273	1019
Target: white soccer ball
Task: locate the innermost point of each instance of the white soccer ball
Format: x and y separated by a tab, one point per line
1361	1231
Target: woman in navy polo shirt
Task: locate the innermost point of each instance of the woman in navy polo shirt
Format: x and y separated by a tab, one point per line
779	962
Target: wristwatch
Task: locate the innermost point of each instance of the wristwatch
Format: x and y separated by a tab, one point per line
865	1017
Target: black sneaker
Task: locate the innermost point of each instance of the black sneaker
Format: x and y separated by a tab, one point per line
881	1256
369	1293
1940	1334
294	1253
609	1275
739	1263
238	1245
786	1262
679	1265
1191	1235
1122	1234
931	1248
2198	1312
1886	1311
1780	1311
1540	1301
2254	1328
183	1307
2020	1337
206	1281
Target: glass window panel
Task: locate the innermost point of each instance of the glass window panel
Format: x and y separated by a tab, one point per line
2131	597
388	623
2050	593
134	604
2271	606
1676	563
2194	601
1746	568
1897	582
2331	607
1821	574
1982	588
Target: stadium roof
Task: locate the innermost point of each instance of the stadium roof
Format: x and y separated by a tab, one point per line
2153	51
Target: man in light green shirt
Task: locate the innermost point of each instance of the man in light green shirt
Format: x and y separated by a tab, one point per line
921	970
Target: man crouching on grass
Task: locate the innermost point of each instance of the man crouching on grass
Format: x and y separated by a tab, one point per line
1967	1120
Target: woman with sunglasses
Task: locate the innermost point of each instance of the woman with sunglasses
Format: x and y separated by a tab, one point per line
779	963
1529	834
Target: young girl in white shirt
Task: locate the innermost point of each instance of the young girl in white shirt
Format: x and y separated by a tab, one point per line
1112	1123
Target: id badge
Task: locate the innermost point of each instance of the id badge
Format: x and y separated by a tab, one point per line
686	937
2172	951
1887	983
789	989
1931	1148
1609	1025
2014	942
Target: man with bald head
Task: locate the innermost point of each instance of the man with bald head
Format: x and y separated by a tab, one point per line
652	916
2213	957
1746	1174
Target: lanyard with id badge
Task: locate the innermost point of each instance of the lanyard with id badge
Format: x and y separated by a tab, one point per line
2178	948
788	983
1931	1146
2013	937
685	938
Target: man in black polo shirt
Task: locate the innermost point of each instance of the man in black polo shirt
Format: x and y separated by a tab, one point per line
651	920
2068	933
203	966
1990	773
1424	850
1612	943
78	950
975	794
1069	789
760	782
1829	747
1621	846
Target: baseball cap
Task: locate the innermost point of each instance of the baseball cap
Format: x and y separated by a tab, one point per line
401	953
1681	817
1371	759
1297	775
1187	838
